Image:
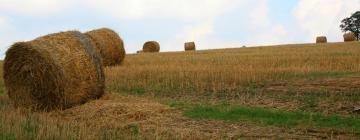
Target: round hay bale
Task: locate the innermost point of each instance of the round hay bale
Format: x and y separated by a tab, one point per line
190	46
151	46
321	39
109	45
56	71
349	37
139	51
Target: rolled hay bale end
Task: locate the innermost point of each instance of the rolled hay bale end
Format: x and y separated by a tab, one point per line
190	46
321	39
109	45
56	71
348	37
151	46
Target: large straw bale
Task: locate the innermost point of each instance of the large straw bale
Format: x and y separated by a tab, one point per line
190	46
349	37
109	45
321	39
151	46
56	71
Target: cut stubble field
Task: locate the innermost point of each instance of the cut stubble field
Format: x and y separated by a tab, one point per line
288	91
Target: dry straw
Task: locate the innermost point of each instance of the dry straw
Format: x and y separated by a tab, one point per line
190	46
56	71
109	45
321	39
349	37
151	46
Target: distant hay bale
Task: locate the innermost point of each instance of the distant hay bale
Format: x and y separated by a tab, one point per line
109	45
349	37
321	39
151	46
139	51
56	71
190	46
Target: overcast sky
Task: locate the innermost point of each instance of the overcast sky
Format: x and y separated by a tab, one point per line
210	23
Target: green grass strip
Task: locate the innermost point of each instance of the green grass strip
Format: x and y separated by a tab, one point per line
271	117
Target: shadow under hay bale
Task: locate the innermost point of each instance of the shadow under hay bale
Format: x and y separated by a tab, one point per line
321	39
151	46
109	45
190	46
56	71
348	37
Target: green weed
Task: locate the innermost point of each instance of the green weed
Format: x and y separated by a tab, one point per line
271	117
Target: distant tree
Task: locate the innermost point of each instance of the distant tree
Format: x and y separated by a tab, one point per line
352	24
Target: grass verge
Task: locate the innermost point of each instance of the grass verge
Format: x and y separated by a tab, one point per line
271	117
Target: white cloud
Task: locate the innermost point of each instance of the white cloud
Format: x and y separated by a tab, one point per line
275	34
322	17
199	16
2	21
34	7
123	9
263	30
197	19
260	15
177	9
199	31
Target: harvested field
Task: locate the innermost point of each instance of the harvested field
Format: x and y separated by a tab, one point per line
304	91
115	116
